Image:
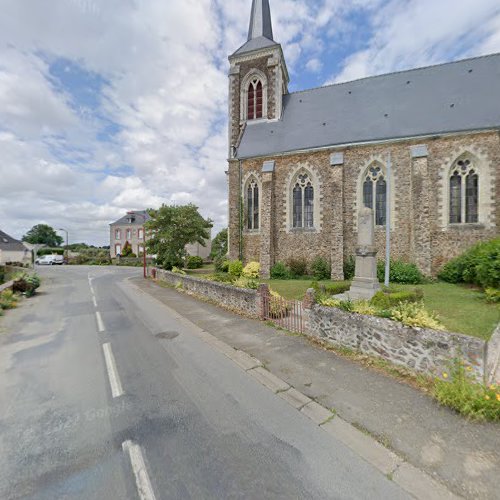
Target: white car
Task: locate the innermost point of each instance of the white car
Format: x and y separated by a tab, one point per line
50	260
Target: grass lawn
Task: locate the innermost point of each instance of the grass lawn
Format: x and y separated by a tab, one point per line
205	269
460	308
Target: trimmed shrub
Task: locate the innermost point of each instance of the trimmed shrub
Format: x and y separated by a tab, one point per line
460	391
405	273
321	269
177	270
243	282
384	300
480	265
194	262
280	272
235	268
27	284
219	277
297	267
349	267
251	270
331	289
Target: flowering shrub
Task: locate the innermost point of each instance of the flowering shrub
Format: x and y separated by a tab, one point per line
415	314
458	390
177	270
364	307
278	306
8	300
251	270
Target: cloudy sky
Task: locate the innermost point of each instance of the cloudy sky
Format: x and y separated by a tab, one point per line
111	105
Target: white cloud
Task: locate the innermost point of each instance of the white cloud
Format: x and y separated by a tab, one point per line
163	66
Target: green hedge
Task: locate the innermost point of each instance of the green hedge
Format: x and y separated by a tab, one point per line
280	272
480	265
194	262
49	251
387	300
332	289
405	273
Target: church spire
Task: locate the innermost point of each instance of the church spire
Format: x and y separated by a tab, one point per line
260	20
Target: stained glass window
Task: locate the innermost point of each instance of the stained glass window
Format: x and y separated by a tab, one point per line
303	203
464	193
252	202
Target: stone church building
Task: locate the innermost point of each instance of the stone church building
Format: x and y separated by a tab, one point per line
302	164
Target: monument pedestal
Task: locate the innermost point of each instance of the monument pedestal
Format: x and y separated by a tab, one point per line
365	283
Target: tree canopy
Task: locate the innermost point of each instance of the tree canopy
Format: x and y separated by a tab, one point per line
219	245
171	228
42	234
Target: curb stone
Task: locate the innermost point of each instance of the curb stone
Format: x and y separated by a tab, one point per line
414	481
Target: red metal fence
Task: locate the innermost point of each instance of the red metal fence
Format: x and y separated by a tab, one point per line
287	314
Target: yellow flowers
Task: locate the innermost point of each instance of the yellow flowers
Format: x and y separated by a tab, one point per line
469	368
487	397
445	375
498	397
493	387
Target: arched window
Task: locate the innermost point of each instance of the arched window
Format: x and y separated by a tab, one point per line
255	100
303	203
252	202
464	193
375	193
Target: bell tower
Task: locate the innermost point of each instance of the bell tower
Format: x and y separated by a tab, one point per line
258	77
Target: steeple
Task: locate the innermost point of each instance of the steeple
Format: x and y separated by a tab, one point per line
260	20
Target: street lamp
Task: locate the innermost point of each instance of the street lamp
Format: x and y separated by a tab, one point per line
67	238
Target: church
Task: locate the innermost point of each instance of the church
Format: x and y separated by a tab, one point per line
302	164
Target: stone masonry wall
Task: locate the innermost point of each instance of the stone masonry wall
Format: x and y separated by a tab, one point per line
418	237
240	300
422	350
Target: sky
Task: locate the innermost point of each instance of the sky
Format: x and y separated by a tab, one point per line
114	105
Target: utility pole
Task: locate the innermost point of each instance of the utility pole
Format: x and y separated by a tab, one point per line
388	222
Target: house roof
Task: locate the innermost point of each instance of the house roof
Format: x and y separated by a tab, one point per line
140	217
9	244
446	98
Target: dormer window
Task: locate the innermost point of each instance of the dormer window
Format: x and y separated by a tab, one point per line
255	100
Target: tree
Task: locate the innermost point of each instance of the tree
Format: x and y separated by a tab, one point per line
127	250
219	245
170	229
42	234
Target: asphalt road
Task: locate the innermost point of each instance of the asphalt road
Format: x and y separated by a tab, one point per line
106	394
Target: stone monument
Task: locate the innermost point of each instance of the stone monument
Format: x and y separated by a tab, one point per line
365	283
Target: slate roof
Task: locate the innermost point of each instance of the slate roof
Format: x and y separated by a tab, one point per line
141	216
10	244
255	44
452	97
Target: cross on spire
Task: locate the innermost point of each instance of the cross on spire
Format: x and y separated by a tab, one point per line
260	20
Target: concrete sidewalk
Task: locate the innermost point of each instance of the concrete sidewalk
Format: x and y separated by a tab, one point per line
464	456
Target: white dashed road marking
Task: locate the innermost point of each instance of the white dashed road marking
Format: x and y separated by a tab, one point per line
114	379
100	323
142	481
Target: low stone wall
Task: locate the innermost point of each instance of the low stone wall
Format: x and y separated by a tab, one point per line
239	300
420	349
6	286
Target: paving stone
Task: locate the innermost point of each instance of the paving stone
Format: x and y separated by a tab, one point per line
295	398
420	485
269	380
244	360
365	446
316	412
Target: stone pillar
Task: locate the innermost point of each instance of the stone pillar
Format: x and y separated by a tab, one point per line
234	209
263	294
267	220
337	236
365	283
420	243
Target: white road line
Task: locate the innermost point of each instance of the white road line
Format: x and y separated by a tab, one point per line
142	481
114	379
100	323
94	301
